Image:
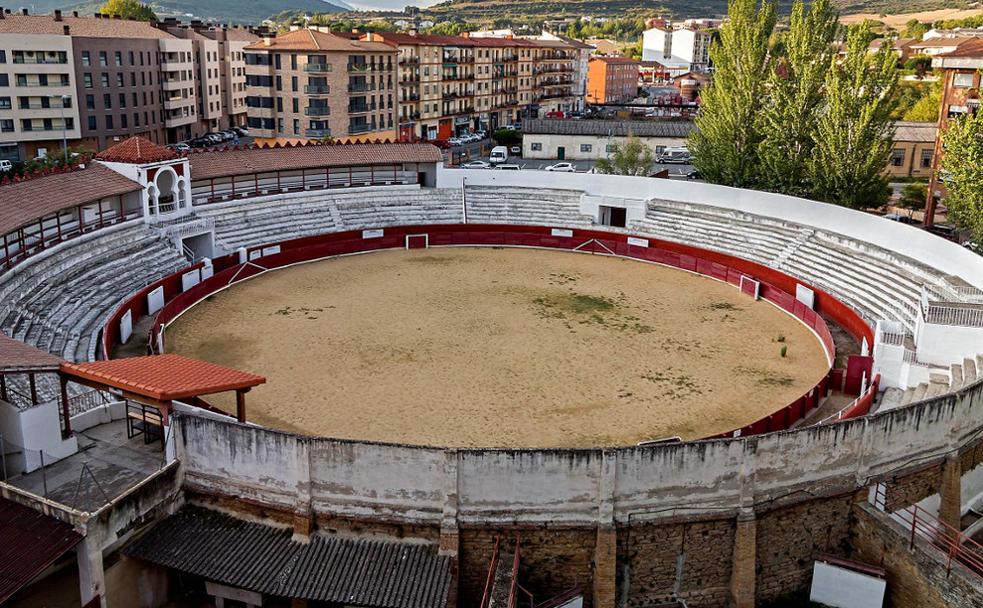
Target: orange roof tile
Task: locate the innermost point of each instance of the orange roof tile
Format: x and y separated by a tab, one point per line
85	27
163	377
137	151
316	40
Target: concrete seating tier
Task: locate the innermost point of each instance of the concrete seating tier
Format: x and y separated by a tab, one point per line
531	206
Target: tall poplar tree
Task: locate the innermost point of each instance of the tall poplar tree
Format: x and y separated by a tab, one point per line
725	142
795	97
962	169
853	137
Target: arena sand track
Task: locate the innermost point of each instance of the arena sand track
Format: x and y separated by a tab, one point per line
501	348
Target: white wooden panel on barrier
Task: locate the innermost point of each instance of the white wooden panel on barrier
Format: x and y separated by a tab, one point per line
805	295
207	270
190	279
561	232
271	250
255	254
126	326
373	234
844	588
155	300
634	240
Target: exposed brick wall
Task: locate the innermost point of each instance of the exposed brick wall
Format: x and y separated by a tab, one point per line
651	552
971	457
915	578
789	538
908	489
553	560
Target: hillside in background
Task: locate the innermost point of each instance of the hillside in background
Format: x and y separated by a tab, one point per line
224	11
485	10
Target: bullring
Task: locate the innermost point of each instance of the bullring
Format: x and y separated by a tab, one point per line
738	518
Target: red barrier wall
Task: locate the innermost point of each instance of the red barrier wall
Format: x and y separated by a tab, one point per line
776	287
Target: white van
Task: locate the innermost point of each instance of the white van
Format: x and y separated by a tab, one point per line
674	155
499	154
6	165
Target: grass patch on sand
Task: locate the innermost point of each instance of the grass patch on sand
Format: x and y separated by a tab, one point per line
764	377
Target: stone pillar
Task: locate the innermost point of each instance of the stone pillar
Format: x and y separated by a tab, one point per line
743	571
92	577
950	491
303	515
606	567
450	535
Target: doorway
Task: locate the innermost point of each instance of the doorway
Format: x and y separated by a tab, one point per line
561	153
613	216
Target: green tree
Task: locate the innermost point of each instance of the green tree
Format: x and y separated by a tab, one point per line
631	158
796	97
507	137
915	29
913	197
920	65
128	9
962	141
725	142
853	136
926	109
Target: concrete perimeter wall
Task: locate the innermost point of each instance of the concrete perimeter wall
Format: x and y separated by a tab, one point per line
947	257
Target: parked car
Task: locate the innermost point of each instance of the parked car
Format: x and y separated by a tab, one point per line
516	126
694	174
897	217
455	141
679	156
476	164
562	168
182	147
481	134
443	144
515	150
509	167
242	131
945	231
499	154
6	165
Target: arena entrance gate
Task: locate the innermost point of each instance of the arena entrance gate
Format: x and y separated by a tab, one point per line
417	241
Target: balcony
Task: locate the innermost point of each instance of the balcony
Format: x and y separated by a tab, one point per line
317	133
409	61
359	128
360	67
317	68
317	111
360	87
314	89
458	77
409	79
361	108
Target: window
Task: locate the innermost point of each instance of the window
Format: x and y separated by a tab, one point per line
136	119
103	61
107	101
119	79
90	102
131	59
586	147
897	158
610	148
122	121
86	58
293	84
104	80
122	100
536	147
4	80
109	122
963	80
296	105
5	103
92	123
927	159
119	58
7	125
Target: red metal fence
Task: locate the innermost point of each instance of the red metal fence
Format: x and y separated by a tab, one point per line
776	287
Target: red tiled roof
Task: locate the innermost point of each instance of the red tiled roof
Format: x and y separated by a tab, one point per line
83	27
163	377
220	163
32	541
316	40
17	356
970	50
137	151
24	202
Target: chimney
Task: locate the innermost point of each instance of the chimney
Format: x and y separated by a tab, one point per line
267	41
2	12
75	13
24	12
57	14
465	34
66	30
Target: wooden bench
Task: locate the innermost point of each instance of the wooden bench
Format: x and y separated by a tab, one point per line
146	421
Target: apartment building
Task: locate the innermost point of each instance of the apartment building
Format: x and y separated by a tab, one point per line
686	48
962	69
612	80
312	84
913	150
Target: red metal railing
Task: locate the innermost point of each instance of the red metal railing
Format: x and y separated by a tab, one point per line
956	546
489	581
859	406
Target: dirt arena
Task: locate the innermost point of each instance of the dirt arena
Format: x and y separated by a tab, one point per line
501	348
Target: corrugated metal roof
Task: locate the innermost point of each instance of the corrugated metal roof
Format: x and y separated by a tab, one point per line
248	555
32	541
615	128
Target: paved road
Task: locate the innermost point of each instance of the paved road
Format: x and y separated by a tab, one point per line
675	171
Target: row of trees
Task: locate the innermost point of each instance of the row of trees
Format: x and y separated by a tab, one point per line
793	115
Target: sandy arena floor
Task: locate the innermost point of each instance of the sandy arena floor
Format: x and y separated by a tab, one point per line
501	348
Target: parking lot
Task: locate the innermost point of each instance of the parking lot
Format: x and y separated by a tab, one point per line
473	152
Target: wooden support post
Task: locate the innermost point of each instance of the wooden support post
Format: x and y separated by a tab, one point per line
950	492
33	383
743	569
67	431
241	405
3	388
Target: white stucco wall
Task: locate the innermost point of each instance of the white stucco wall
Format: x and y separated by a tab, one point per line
598	145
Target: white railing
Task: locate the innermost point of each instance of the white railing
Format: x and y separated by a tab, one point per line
952	315
892	339
909	356
947	292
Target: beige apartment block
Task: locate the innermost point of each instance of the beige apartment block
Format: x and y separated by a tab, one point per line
310	84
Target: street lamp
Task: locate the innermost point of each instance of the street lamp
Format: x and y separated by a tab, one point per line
64	134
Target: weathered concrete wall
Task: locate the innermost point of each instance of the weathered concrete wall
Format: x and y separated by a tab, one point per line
916	577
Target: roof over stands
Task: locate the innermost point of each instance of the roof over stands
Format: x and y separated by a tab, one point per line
246	161
18	357
162	378
349	571
23	202
137	151
32	541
